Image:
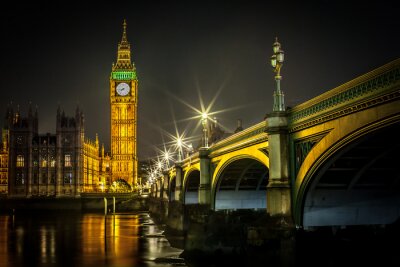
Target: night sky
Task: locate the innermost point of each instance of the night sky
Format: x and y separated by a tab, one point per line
61	54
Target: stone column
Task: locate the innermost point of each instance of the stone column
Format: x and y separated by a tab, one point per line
278	189
153	190
159	187
77	186
28	161
165	195
178	183
59	166
205	177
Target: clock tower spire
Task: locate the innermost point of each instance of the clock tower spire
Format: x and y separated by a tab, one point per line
123	101
124	52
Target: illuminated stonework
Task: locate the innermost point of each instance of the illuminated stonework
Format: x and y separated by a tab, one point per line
4	145
123	100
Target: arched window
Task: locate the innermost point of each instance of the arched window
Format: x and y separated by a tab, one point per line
20	161
67	160
44	163
68	178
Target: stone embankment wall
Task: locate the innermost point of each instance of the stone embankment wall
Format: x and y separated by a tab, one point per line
74	204
227	232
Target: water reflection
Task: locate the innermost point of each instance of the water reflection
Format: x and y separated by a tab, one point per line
4	222
47	244
112	239
44	239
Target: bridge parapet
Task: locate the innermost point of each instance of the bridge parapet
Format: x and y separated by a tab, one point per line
193	158
250	136
372	88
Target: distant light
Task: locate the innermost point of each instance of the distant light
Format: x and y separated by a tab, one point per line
204	115
273	61
280	56
276	46
179	142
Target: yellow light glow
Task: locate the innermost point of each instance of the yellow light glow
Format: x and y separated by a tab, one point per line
179	142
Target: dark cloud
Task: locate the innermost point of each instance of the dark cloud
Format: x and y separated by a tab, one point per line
54	53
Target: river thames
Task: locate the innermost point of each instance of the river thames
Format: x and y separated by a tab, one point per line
75	239
133	239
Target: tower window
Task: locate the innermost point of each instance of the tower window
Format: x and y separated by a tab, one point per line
68	178
67	160
20	161
19	180
44	163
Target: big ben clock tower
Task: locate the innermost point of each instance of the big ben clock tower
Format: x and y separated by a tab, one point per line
123	100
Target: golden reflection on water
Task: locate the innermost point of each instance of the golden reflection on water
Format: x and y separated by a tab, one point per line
73	240
4	222
47	244
111	239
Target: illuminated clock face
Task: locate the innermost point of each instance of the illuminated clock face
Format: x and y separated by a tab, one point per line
123	89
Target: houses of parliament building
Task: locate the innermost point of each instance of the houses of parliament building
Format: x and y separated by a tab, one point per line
68	163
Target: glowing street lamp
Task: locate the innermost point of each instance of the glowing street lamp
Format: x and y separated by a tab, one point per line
204	117
166	159
159	165
276	62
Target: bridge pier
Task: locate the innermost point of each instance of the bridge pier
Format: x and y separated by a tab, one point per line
278	188
205	177
159	187
178	183
165	185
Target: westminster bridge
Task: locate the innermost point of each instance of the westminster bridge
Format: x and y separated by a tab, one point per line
330	161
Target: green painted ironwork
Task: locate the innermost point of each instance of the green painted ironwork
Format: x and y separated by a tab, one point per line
123	75
303	147
357	91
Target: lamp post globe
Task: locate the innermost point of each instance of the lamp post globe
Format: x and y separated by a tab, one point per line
277	60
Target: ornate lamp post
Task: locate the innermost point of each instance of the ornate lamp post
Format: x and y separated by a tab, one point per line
204	117
179	144
166	159
276	62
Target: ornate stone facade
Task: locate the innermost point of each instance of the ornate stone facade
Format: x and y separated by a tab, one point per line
62	164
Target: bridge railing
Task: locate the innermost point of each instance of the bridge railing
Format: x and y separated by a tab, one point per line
373	83
239	137
191	157
236	139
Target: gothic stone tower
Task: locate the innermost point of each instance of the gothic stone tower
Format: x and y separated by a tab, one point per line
123	100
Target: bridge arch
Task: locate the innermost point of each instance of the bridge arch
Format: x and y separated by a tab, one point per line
190	188
240	183
355	181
